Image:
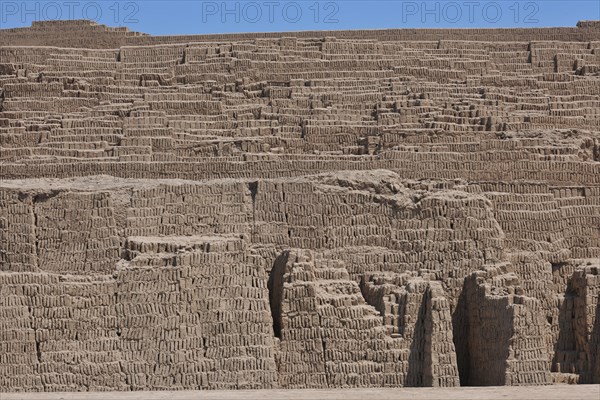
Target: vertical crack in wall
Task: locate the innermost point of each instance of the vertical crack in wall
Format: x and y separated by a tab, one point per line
416	358
38	350
253	187
275	288
324	349
119	316
460	335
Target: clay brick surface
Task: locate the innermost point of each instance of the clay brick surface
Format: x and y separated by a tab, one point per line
303	210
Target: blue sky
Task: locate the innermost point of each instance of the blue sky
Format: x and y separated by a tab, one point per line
161	17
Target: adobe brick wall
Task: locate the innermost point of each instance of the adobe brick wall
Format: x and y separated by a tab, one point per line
307	210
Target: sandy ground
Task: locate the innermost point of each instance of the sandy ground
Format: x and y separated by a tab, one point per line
578	392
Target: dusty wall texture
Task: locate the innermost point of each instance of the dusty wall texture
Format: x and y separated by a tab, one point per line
302	210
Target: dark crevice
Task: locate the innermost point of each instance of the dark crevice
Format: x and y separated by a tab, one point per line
275	287
35	225
285	212
43	197
38	351
253	187
118	329
374	301
594	350
416	357
402	304
204	345
566	341
556	267
460	334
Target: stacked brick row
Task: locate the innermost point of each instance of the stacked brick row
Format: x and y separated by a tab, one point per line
75	328
59	333
417	310
295	91
408	208
506	331
194	320
192	208
20	356
76	233
440	364
166	319
585	282
471	166
345	343
18	252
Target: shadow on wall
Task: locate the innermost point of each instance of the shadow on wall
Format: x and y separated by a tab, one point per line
565	352
460	332
275	287
595	346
